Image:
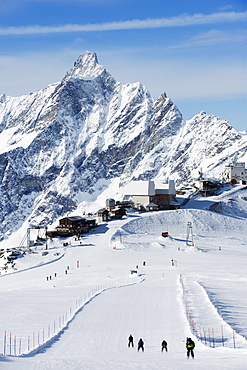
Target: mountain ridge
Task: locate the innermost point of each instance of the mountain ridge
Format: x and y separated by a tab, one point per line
62	140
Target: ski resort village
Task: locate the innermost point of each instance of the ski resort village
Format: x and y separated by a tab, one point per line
174	260
123	240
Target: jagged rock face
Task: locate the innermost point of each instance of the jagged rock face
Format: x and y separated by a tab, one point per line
205	143
166	122
59	142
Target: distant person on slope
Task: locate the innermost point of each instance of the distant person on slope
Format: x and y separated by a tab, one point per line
131	341
190	345
140	345
163	346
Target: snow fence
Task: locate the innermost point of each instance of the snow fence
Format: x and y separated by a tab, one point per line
224	335
29	346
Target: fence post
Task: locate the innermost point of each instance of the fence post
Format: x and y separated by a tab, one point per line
205	338
4	343
213	338
233	337
10	342
222	335
20	346
15	345
209	337
193	326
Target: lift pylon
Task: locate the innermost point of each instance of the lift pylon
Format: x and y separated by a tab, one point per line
27	239
189	234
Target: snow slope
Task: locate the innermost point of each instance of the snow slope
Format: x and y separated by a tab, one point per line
207	284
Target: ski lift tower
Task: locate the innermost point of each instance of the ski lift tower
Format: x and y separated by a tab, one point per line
26	241
189	234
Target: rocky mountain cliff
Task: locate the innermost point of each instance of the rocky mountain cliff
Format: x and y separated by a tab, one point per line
60	144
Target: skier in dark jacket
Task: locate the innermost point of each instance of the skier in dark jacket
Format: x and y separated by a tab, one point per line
163	346
131	341
190	345
140	345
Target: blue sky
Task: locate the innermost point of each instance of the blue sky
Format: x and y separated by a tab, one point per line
195	51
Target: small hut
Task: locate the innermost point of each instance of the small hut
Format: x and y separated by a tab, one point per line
118	212
103	215
152	207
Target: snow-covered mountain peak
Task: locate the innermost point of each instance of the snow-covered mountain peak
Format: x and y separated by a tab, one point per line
205	122
86	66
67	142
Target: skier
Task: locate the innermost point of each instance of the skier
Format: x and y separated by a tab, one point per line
163	346
190	345
140	345
131	341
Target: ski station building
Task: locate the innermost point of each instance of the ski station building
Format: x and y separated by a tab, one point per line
235	173
151	194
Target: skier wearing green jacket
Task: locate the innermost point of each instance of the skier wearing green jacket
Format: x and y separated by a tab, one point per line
190	345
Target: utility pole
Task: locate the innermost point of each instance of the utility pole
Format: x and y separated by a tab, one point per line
46	243
28	238
189	233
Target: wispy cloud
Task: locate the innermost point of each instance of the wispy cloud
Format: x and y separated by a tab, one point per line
213	37
183	20
226	7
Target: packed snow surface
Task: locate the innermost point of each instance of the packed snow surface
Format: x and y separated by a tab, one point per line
192	284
